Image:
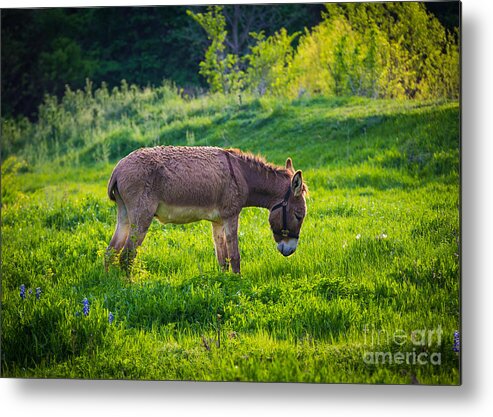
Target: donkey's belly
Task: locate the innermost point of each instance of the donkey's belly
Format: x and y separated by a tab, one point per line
167	213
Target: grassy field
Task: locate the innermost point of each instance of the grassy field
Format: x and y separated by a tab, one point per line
375	279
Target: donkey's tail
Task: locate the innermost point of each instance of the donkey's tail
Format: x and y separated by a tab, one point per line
112	186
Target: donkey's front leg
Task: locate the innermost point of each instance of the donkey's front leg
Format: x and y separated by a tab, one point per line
231	231
220	245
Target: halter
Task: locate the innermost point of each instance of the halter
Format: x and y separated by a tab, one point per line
284	232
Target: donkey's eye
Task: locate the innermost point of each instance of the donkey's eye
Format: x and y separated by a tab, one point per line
298	217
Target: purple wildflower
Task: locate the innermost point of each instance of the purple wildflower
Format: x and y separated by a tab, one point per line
38	293
85	309
111	317
23	291
456	347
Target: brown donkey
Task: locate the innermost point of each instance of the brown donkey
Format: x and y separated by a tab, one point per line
179	184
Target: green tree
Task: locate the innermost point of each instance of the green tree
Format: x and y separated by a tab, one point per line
269	63
220	69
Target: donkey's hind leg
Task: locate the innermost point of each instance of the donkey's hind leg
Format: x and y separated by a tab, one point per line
120	235
140	220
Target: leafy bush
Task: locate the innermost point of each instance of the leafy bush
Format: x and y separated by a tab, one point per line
391	50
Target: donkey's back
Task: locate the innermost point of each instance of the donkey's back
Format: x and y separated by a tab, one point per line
174	174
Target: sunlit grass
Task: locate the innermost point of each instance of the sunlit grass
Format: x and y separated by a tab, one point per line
379	250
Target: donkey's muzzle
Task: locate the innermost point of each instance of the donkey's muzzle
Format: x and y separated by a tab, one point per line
287	247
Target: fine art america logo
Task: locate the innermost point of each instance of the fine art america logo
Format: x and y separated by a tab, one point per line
417	347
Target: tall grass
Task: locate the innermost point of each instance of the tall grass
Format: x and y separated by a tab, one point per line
98	125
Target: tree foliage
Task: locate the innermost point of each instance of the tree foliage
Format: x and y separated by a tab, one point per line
269	61
220	69
44	50
392	50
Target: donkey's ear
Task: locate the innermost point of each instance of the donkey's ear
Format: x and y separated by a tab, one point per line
297	184
289	165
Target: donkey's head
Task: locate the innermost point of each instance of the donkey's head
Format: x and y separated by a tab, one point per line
286	217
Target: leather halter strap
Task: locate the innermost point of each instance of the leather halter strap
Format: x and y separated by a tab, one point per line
284	232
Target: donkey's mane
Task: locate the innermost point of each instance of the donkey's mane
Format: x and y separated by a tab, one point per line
258	162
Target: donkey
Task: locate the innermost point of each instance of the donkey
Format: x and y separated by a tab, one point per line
181	184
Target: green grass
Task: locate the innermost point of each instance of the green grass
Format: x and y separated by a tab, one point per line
378	255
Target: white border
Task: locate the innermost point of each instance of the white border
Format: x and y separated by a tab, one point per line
94	398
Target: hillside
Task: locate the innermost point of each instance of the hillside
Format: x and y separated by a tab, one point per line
378	254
